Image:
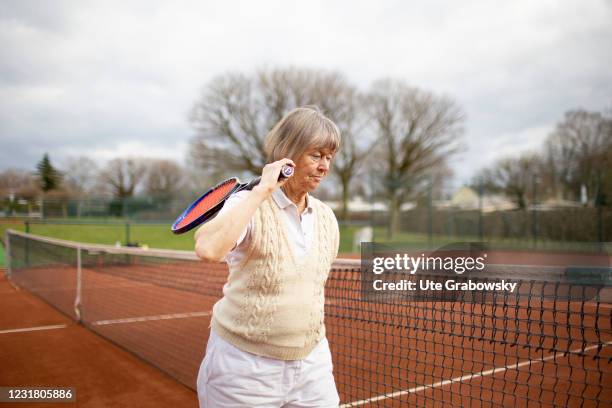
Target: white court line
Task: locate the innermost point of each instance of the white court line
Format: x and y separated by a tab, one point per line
29	329
151	318
467	377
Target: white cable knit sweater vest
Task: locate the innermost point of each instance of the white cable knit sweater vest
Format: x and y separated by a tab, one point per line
273	303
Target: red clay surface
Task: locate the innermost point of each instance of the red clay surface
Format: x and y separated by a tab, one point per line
103	374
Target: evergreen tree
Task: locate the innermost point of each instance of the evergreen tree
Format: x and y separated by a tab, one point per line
49	177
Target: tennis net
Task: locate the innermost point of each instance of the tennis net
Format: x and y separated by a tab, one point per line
539	348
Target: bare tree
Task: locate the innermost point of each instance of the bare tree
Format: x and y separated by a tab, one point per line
226	118
15	183
604	170
283	89
235	112
417	132
579	150
123	176
163	178
347	108
80	175
515	177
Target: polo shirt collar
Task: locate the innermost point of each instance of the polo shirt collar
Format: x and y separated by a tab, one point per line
283	201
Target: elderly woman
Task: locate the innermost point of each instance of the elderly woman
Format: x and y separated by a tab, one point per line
267	346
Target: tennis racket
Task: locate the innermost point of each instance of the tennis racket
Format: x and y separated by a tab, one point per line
210	203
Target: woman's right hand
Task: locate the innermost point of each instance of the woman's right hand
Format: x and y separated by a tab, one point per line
270	174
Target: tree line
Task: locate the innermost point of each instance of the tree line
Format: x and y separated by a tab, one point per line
574	163
397	140
82	177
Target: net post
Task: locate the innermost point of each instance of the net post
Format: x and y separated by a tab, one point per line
77	299
127	233
7	246
27	245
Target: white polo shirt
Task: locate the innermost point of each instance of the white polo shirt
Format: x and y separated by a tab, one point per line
299	228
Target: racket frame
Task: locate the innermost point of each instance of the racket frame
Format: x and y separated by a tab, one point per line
286	171
209	214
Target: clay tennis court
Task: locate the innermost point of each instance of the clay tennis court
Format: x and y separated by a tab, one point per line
39	346
530	352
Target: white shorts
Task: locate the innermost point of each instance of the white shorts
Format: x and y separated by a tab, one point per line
230	377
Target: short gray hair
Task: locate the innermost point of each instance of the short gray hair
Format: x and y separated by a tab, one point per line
299	130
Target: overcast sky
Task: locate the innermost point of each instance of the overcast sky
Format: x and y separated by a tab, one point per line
107	79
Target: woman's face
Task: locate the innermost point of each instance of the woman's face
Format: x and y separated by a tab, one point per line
310	169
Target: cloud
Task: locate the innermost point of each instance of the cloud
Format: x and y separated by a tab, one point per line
108	77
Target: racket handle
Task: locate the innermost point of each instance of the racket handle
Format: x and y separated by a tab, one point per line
286	172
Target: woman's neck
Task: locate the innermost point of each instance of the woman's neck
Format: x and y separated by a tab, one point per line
297	197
